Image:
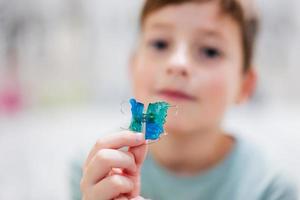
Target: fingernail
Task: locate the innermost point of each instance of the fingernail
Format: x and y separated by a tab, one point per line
151	141
140	137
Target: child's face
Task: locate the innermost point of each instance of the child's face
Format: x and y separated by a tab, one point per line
190	55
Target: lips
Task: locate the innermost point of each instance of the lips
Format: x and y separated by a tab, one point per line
176	95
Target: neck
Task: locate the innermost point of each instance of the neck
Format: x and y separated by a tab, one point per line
191	152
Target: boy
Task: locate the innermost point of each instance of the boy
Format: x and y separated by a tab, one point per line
195	54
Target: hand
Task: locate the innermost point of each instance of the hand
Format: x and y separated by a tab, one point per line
112	173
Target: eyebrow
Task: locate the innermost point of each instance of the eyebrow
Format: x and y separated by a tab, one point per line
203	31
206	32
159	25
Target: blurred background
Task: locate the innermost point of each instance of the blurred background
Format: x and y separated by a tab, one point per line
63	75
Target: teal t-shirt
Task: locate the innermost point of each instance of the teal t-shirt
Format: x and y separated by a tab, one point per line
243	175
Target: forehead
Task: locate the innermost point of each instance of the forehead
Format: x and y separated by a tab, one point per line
190	16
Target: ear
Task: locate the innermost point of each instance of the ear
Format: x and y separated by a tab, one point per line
248	86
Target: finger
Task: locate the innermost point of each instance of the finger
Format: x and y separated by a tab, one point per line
112	187
115	171
116	141
104	161
139	153
121	198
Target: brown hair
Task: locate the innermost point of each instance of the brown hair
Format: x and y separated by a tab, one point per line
242	11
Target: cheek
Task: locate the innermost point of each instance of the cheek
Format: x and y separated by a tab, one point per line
220	92
212	86
216	89
215	94
143	81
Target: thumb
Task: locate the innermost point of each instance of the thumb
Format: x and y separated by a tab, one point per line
139	153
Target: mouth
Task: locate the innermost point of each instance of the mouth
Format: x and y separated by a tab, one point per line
175	95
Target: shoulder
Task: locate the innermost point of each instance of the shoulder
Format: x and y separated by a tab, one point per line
280	188
270	181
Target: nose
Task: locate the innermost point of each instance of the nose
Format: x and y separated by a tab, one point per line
179	62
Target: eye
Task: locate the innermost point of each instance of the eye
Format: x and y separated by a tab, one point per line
210	52
159	44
